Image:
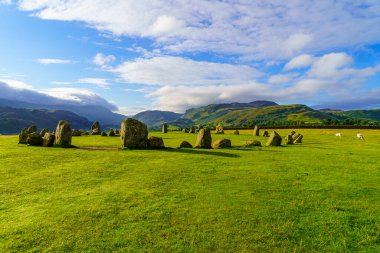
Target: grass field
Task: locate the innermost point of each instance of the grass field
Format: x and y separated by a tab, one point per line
319	196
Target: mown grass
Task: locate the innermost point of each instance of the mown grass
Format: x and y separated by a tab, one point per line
319	196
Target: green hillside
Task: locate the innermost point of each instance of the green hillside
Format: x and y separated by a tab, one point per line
156	118
373	114
239	117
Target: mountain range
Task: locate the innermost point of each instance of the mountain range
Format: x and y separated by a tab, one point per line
14	115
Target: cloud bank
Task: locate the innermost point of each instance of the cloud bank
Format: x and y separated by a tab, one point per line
20	91
252	29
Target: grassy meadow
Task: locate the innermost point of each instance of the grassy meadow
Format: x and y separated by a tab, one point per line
319	196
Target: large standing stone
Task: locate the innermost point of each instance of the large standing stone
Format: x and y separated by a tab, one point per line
265	133
164	128
63	134
219	129
95	128
288	139
223	143
185	144
256	131
299	139
274	139
48	140
133	134
204	138
34	139
156	143
236	132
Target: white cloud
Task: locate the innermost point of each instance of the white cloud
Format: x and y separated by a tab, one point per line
330	65
101	59
54	61
20	91
280	79
100	82
173	71
6	2
300	61
253	29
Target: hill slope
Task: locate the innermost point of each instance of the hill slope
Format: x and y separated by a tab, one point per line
156	118
373	114
93	113
239	114
12	120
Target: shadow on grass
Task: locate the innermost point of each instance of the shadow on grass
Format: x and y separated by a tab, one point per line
200	152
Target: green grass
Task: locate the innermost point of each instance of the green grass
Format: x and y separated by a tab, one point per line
319	196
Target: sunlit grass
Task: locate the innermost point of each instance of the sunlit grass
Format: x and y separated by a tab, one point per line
319	196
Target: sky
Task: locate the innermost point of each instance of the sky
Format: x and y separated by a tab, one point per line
132	56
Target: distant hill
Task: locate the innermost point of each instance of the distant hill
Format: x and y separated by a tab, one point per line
373	114
93	113
156	118
232	115
12	120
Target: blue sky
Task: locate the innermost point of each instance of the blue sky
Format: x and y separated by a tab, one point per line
132	56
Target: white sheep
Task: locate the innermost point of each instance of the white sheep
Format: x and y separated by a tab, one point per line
360	136
338	135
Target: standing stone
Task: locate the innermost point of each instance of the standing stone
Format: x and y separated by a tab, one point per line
256	131
236	132
223	143
63	134
288	139
111	133
274	139
32	129
23	136
299	139
156	143
133	134
295	136
204	138
185	130
43	131
252	143
185	144
48	140
192	129
34	139
265	133
219	129
103	134
292	133
164	128
95	128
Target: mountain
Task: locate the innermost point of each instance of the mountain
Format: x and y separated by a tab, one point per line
156	118
373	114
232	115
106	117
12	120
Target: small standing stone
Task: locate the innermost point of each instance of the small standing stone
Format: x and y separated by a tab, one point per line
156	143
34	139
256	131
265	133
219	129
236	132
48	140
164	128
185	144
274	139
223	143
204	138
